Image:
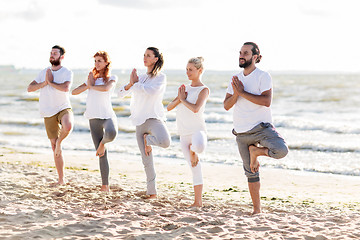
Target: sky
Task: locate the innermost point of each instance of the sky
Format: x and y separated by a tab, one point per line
293	35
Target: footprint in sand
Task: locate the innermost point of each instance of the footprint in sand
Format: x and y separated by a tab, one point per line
215	230
170	226
189	219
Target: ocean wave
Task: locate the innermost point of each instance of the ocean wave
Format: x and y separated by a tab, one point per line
217	117
317	126
29	99
348	172
20	122
317	148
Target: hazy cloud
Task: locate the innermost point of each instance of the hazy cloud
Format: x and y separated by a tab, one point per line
317	9
32	12
152	4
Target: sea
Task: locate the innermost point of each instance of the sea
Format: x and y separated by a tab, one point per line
318	114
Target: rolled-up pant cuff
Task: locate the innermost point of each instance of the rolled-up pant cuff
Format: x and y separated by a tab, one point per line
257	179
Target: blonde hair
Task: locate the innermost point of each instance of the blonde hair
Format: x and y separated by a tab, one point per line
197	61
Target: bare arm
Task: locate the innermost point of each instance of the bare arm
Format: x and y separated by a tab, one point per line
264	99
103	88
173	104
64	87
34	86
199	102
83	87
230	100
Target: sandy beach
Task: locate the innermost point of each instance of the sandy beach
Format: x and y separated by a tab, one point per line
296	205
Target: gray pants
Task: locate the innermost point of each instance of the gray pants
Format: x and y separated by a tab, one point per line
158	136
265	135
104	130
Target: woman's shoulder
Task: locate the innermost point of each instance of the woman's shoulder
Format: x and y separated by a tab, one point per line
160	76
113	77
203	87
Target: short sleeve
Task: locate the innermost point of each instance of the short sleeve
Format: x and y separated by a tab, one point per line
265	82
41	76
113	77
69	77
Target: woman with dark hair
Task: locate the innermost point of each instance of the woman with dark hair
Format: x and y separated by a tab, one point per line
147	112
99	111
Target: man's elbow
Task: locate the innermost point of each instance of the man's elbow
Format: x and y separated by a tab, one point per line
267	103
226	107
66	88
30	88
196	110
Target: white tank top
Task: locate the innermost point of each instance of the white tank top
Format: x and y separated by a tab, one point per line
187	121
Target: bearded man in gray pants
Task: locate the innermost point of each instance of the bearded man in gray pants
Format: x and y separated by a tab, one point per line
250	92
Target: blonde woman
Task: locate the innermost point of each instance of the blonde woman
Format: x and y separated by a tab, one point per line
99	111
190	121
147	112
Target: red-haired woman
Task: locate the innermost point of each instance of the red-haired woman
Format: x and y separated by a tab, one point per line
99	111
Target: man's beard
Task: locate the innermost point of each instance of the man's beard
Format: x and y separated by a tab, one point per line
55	62
246	63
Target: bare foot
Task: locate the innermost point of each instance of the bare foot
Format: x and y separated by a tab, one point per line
257	211
105	188
58	183
151	196
148	149
193	158
58	149
100	150
196	205
254	163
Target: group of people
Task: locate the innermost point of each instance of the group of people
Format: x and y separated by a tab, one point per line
249	92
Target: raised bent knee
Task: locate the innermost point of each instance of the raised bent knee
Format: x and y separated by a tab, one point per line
198	148
67	127
165	143
110	136
279	152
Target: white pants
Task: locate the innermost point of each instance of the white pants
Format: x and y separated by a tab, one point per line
198	143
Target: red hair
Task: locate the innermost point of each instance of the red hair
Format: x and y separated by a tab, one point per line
105	73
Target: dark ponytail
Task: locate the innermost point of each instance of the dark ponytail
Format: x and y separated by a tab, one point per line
159	63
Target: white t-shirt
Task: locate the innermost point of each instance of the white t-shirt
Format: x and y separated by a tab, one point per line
146	100
187	121
51	100
98	103
247	114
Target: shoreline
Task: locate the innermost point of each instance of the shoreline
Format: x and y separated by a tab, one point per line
179	171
